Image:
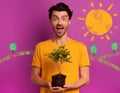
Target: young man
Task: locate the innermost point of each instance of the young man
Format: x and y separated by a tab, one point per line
77	72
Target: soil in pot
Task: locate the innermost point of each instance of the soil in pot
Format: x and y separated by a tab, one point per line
58	80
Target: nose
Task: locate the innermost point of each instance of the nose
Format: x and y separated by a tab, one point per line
59	21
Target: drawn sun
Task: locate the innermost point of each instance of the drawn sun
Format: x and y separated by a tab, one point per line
98	21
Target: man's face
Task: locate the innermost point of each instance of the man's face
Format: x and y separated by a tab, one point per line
60	22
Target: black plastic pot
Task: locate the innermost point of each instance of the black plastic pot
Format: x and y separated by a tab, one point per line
58	80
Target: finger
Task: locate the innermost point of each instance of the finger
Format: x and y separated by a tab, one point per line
55	88
49	84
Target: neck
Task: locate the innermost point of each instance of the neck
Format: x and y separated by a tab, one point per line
61	40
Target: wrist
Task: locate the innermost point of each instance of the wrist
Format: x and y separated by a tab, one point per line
67	87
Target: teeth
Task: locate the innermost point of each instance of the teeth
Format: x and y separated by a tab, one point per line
60	28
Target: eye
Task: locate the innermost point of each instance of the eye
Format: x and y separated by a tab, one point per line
65	18
54	18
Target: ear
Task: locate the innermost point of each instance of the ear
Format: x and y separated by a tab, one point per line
69	21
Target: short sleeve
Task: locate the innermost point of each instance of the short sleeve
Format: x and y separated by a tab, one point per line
36	61
84	57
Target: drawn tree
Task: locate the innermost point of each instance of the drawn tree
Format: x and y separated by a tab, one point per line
93	49
114	46
13	47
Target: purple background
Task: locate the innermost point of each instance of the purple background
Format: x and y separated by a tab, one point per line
25	22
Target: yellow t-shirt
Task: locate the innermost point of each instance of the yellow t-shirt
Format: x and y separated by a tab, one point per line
78	52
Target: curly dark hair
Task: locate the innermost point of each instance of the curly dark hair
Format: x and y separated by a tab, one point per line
60	7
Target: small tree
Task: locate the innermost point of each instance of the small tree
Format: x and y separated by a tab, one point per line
59	56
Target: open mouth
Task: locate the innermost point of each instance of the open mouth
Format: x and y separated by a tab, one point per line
59	28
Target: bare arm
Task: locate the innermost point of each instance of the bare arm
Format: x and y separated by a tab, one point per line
36	79
84	79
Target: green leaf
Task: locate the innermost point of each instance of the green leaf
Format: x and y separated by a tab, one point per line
60	54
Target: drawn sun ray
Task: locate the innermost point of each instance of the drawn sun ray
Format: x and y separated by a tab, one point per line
92	4
92	38
100	5
110	7
115	14
111	32
98	22
116	27
86	34
81	19
107	37
102	37
83	27
84	10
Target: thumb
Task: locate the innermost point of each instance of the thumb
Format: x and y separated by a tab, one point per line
50	85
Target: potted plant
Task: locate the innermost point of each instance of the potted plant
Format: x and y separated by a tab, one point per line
59	56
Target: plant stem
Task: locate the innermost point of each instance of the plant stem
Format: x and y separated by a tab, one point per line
59	67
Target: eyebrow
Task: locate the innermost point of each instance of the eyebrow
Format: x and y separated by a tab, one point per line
62	16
